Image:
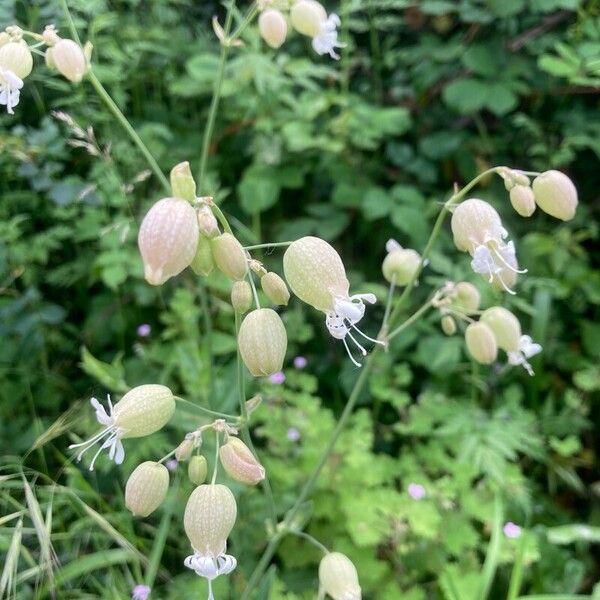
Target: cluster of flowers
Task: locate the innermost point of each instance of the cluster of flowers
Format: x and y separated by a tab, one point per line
307	17
16	60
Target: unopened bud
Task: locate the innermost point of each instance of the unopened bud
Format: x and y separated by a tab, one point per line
239	462
16	57
146	488
203	262
272	27
257	267
144	410
555	194
50	36
207	222
467	297
400	265
68	59
513	177
523	200
184	450
307	17
448	325
253	403
338	577
275	288
472	221
209	517
168	239
263	342
182	182
506	327
481	343
229	256
197	469
241	297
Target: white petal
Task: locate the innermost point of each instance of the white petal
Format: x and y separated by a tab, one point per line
226	563
120	452
392	246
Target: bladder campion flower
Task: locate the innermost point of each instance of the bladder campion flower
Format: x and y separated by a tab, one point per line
522	199
527	349
272	27
68	58
310	18
16	63
197	469
481	343
275	289
316	274
10	89
209	517
555	194
239	462
168	239
400	264
478	230
229	256
146	488
241	296
142	411
338	577
263	342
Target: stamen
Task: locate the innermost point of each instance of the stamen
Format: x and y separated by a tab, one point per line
361	348
349	354
366	336
100	450
506	288
91	440
508	265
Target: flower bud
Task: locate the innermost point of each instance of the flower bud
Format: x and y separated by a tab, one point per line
513	177
203	262
400	265
146	488
307	17
168	239
448	325
272	27
182	182
467	297
241	297
338	577
522	200
506	327
68	59
16	57
207	222
144	410
209	517
253	403
229	256
239	462
555	194
472	221
184	450
275	288
197	469
50	36
315	272
481	343
262	341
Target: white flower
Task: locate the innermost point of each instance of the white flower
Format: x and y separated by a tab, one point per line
527	349
326	40
111	434
10	86
209	567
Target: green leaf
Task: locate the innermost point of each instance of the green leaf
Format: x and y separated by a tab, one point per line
556	66
465	95
258	189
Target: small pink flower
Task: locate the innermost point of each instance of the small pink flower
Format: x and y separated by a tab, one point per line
144	330
140	592
416	491
300	362
171	464
277	378
511	530
293	434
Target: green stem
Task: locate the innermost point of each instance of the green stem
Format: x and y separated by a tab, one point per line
216	97
245	22
262	565
516	576
115	110
216	465
311	539
208	411
388	305
204	301
493	554
254	292
270	245
221	217
414	317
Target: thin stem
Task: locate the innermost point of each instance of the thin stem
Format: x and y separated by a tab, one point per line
116	111
414	317
269	245
493	553
221	217
208	411
262	565
164	458
216	465
311	539
216	97
254	292
245	22
388	304
205	304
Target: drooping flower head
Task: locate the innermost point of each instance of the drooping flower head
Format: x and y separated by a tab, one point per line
272	27
400	264
146	488
142	411
338	577
209	517
310	18
478	230
240	463
555	194
316	274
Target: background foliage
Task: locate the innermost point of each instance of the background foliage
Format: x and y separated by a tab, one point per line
427	94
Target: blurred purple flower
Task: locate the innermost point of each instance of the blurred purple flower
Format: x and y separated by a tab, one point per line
171	464
416	491
277	378
293	434
300	362
144	330
140	592
511	530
